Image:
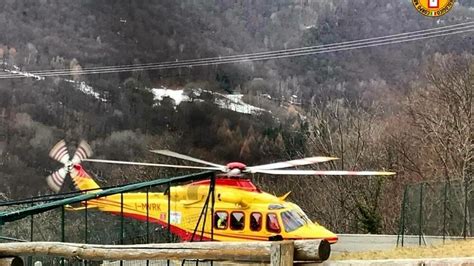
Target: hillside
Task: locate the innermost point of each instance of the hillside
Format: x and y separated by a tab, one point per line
375	108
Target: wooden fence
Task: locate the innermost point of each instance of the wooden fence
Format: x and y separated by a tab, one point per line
275	253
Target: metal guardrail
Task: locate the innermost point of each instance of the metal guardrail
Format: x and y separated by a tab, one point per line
19	214
47	219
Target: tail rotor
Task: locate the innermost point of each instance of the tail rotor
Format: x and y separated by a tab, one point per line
60	153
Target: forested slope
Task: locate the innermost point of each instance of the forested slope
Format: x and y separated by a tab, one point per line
375	108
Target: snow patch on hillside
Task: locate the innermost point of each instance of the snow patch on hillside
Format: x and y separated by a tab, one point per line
81	86
177	95
232	102
235	103
22	73
86	89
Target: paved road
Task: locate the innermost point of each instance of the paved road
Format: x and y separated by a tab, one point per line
360	242
468	261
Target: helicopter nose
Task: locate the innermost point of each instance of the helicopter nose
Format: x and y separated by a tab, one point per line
316	232
326	234
332	240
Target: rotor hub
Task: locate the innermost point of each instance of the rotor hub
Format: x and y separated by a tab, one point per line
69	166
236	165
235	168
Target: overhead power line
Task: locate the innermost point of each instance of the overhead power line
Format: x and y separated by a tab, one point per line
262	56
277	51
310	50
224	60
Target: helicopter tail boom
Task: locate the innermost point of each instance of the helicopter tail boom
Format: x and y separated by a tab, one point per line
82	180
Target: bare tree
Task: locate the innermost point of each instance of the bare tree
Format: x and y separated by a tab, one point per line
440	112
356	136
434	139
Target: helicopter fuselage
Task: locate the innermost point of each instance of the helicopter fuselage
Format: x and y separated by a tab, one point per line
242	212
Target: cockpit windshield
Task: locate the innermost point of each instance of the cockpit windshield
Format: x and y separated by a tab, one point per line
294	219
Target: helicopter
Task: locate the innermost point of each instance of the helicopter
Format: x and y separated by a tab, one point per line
242	212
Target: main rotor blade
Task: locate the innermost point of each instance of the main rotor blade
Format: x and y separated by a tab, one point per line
186	157
151	164
298	162
322	172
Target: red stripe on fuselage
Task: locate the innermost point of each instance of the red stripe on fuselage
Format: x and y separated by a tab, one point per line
184	234
181	233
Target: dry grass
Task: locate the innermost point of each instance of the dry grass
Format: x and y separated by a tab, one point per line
460	248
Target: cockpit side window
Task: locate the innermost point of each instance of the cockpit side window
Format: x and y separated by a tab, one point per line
255	221
272	223
220	220
293	220
237	221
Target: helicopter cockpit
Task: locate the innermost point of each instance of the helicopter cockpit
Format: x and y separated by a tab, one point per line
294	219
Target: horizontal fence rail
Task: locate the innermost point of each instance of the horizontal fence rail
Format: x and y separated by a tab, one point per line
277	253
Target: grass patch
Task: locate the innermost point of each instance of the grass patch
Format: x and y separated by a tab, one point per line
459	248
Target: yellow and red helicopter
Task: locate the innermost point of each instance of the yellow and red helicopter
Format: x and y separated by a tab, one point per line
242	212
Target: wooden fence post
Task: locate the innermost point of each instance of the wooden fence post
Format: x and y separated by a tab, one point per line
282	253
